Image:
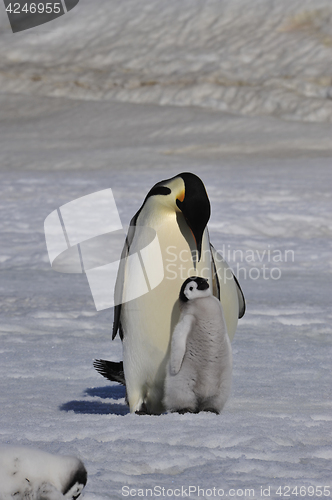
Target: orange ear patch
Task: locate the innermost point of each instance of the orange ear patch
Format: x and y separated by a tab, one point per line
181	196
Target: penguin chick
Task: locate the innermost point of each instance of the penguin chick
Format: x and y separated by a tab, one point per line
199	370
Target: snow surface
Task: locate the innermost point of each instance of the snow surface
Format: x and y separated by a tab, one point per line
269	183
276	427
252	57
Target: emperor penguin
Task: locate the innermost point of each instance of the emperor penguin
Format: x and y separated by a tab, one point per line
199	369
178	210
32	474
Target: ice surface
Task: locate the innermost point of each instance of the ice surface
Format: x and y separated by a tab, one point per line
269	182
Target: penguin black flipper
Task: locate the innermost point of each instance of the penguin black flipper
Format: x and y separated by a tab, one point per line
242	302
111	370
116	323
221	273
118	290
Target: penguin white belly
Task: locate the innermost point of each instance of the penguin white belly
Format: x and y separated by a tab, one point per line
149	320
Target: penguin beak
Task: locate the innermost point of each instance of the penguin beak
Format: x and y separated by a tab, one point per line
195	207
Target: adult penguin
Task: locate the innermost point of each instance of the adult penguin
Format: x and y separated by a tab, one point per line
178	210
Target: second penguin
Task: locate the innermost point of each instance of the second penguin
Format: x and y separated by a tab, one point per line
199	371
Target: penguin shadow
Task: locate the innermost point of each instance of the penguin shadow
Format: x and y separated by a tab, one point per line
116	392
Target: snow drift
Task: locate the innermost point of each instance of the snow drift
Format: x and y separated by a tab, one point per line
258	57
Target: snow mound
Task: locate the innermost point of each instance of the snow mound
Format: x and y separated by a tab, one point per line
30	474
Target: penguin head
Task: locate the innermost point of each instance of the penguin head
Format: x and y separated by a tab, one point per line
76	478
186	193
194	287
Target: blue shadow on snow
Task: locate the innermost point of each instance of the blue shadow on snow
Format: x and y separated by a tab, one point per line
99	407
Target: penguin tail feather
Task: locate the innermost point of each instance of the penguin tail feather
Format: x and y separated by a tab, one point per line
111	370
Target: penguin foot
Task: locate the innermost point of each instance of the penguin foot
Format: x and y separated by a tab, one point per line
143	410
211	410
111	370
182	411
